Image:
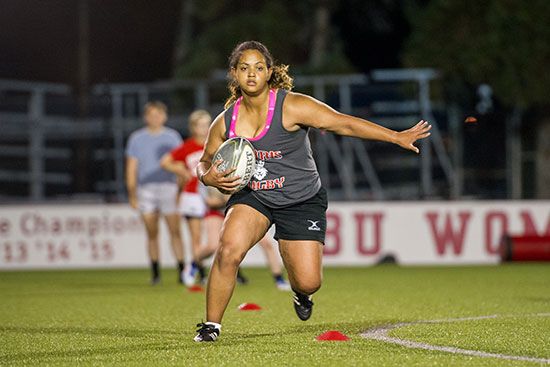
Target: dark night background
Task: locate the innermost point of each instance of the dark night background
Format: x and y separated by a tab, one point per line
470	42
134	40
129	40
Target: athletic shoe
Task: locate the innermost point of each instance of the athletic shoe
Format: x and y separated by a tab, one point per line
241	279
282	285
189	274
206	333
155	281
303	306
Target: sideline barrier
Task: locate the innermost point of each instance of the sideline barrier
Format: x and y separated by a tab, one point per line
526	248
358	234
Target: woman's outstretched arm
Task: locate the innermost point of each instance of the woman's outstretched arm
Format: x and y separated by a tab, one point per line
303	110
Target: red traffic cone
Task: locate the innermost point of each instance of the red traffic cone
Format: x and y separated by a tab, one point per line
195	288
332	335
249	307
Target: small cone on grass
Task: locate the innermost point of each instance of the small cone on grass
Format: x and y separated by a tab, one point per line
332	335
195	288
249	307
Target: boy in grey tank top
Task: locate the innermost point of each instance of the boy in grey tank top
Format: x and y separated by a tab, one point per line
286	190
152	190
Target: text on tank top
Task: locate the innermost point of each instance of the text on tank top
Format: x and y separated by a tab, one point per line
286	173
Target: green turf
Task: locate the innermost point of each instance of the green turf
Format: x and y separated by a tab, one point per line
114	317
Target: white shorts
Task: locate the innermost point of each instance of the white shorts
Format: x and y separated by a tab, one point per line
158	197
192	205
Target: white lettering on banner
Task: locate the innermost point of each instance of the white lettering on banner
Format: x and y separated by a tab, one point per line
54	251
37	224
79	236
5	226
70	236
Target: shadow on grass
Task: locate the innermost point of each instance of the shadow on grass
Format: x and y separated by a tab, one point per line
172	339
344	327
308	330
241	336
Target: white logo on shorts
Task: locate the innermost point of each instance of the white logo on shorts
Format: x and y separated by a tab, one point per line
313	226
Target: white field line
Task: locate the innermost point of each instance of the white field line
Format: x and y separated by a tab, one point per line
381	333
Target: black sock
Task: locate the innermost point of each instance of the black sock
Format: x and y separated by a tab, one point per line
202	271
278	277
240	277
155	269
180	266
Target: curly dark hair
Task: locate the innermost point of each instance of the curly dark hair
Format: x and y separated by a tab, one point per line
279	78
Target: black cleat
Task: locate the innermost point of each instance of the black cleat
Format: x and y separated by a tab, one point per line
155	281
206	333
303	306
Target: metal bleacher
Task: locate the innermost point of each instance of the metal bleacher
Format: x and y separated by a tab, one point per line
40	138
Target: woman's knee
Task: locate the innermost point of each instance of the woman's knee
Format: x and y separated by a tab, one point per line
230	254
307	286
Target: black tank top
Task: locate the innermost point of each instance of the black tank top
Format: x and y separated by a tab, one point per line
286	173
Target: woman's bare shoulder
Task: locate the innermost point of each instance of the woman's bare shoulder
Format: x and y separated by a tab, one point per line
301	104
298	98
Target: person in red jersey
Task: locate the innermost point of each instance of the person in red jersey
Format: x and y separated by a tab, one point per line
183	162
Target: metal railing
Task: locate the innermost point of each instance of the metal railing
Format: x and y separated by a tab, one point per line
347	165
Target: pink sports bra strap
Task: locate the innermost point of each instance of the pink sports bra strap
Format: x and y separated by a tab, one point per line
270	113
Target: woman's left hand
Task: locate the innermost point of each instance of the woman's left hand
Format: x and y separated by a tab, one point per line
406	138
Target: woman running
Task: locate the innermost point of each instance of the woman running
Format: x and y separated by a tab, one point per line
287	191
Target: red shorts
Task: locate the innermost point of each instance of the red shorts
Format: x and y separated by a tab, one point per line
214	213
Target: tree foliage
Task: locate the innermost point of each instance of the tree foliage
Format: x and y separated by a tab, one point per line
505	43
285	27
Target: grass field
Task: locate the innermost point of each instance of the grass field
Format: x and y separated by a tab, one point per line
115	317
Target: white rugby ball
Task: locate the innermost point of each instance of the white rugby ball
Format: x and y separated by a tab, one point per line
237	153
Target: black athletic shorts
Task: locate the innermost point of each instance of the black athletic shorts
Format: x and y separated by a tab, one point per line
306	220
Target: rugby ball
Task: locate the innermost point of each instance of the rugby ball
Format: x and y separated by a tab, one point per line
237	153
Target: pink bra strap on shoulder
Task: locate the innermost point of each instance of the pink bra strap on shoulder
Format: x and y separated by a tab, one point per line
270	113
271	108
234	117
